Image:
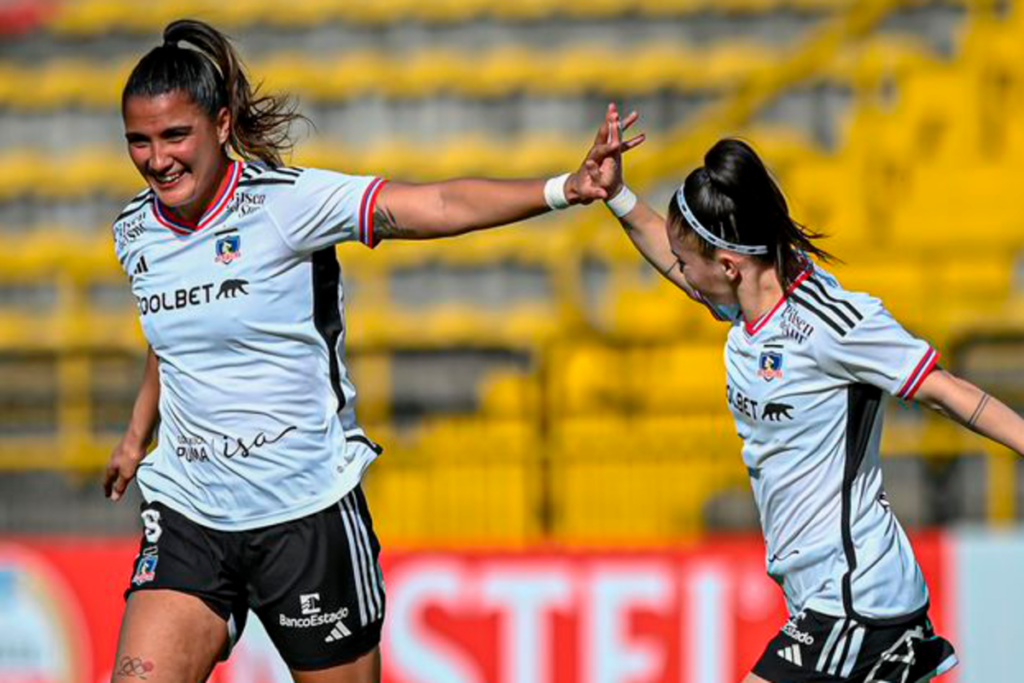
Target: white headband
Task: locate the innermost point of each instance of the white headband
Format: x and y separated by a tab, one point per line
710	236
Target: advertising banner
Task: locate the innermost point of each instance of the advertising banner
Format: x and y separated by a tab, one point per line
699	614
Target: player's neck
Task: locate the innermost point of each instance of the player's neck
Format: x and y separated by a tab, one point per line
758	292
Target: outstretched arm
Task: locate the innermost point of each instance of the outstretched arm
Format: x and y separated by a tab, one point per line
644	226
965	403
131	449
453	207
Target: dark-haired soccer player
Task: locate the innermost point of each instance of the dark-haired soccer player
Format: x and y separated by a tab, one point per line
252	497
809	365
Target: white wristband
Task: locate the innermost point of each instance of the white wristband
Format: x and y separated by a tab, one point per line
622	203
554	192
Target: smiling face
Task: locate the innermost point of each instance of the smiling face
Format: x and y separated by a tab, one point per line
177	149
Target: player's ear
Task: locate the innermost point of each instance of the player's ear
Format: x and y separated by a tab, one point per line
729	263
223	125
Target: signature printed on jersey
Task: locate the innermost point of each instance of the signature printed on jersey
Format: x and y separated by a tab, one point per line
234	446
193	448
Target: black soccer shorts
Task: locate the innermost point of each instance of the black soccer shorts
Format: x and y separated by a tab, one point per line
315	582
812	647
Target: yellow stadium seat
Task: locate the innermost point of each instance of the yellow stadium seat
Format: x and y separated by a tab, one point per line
677	379
640	480
498	71
427	481
638	379
95	17
511	395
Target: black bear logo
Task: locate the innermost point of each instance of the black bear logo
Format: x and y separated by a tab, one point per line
231	288
776	411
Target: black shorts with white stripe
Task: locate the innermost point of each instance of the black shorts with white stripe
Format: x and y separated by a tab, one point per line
315	582
815	648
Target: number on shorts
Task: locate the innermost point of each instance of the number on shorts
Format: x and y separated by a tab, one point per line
151	520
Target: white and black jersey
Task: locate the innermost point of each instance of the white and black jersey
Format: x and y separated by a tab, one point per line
806	385
245	311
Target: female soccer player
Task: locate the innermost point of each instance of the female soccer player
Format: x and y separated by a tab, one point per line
252	496
808	365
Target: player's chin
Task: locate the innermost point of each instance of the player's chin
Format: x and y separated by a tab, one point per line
176	194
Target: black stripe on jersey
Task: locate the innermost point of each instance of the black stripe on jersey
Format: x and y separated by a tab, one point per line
131	210
821	316
862	404
824	291
327	311
141	196
253	171
804	289
359	438
265	181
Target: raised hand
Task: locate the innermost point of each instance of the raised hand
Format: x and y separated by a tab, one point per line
600	175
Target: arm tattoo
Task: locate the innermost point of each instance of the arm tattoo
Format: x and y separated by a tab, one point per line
977	411
385	226
668	271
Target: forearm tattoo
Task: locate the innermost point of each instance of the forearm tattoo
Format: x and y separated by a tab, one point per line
385	226
978	411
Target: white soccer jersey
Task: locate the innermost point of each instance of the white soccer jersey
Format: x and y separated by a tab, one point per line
245	312
806	385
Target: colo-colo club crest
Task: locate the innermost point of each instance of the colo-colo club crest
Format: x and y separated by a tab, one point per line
770	366
228	249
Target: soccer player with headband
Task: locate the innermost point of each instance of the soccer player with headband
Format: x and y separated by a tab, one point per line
252	496
809	366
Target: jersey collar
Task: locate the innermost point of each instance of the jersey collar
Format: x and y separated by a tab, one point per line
216	207
759	324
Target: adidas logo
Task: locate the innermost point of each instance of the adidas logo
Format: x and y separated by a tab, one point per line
338	632
141	267
792	654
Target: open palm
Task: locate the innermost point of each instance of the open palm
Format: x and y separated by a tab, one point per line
600	176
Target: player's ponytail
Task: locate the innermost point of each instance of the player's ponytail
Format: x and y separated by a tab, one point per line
735	198
200	61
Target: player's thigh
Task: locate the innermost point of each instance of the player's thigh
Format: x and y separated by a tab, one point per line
316	587
751	678
365	669
169	636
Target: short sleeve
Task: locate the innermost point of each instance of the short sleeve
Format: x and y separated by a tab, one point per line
120	248
128	228
880	352
325	208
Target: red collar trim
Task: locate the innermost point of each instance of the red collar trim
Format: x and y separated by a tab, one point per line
227	189
758	325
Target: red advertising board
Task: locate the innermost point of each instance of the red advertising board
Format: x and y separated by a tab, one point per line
695	615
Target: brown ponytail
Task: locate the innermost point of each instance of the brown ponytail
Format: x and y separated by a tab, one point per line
210	72
735	196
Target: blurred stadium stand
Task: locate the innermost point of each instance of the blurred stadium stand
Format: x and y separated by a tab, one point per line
539	382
